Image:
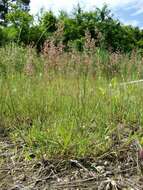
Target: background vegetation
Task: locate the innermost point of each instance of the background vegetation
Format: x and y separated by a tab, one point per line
17	25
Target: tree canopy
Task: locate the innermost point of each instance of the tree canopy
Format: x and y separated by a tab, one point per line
107	32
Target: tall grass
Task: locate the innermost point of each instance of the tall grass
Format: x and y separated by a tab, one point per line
69	103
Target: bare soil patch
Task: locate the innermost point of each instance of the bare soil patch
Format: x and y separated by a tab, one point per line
109	171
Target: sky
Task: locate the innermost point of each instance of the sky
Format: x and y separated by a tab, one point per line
127	11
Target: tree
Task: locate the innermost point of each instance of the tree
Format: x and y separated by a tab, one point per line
3	11
48	22
104	14
7	5
23	4
21	21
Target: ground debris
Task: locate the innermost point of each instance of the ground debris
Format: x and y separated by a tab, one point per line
107	172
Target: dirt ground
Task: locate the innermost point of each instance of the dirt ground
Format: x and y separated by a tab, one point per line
122	171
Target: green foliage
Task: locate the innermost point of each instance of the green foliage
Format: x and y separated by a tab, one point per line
106	31
21	21
6	7
48	22
19	18
11	34
64	110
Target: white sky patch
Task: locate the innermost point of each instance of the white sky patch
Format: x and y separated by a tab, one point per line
136	6
132	22
68	4
54	5
138	12
111	3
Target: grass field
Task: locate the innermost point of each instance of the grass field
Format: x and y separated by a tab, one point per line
70	105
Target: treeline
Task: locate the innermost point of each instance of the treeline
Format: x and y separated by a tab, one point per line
98	27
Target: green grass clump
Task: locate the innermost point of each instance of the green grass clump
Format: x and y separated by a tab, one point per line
70	113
